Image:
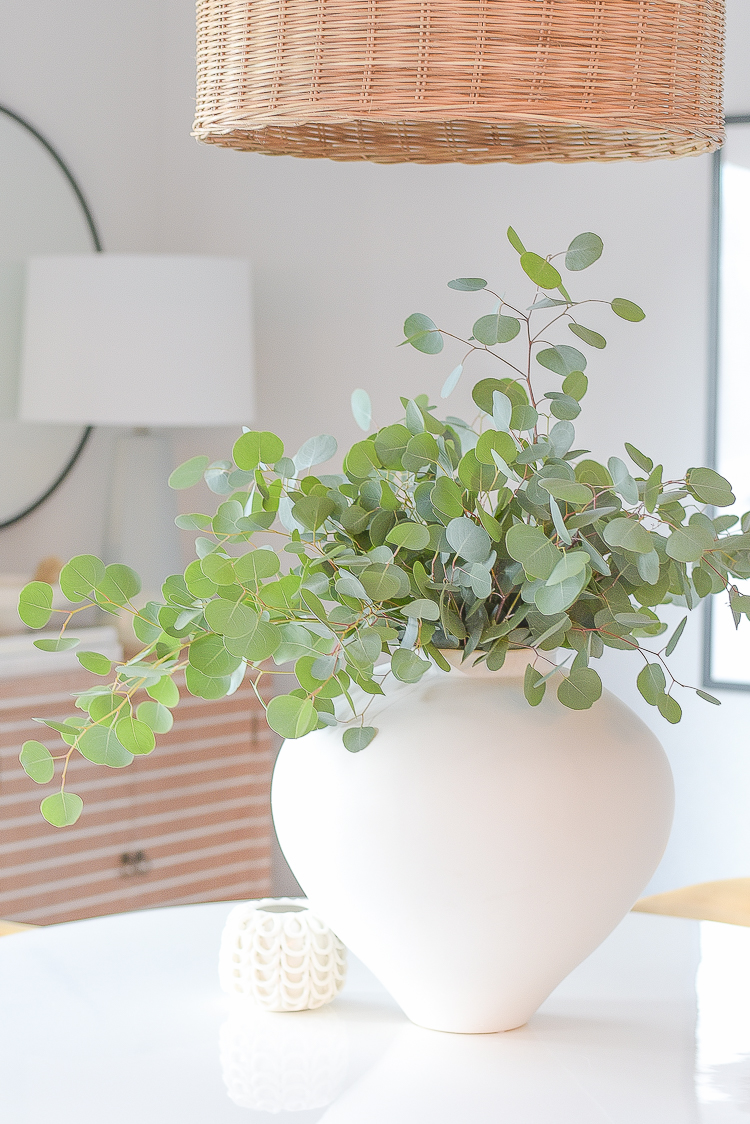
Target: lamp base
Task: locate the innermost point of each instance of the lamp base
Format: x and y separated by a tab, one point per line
141	531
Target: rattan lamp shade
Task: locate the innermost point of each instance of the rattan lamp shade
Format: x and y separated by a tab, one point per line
474	81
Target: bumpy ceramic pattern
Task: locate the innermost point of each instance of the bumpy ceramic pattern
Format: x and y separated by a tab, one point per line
478	849
280	954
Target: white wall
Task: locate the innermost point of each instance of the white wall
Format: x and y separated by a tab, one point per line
343	252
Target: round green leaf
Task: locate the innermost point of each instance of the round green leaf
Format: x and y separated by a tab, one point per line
469	540
421	451
423	334
316	450
484	391
218	568
502	443
592	338
189	473
208	655
390	445
80	576
257	645
62	809
446	497
359	737
255	447
155	716
206	686
230	618
291	717
563	360
312	511
193	522
146	623
94	662
575	384
61	644
407	665
494	329
119	584
627	310
383	583
669	708
326	687
540	271
652	683
532	690
467	284
583	251
252	568
101	745
37	762
709	487
628	534
531	547
35	604
164	691
580	689
422	609
410	536
572	562
568	490
688	544
349	586
554	599
564	406
135	735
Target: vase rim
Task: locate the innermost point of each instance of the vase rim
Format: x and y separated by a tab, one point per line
516	662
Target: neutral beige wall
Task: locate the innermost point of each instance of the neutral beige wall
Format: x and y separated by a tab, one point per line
342	253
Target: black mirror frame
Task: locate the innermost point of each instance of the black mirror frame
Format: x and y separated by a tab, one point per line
98	248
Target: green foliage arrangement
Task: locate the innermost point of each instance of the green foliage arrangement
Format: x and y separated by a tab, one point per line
486	537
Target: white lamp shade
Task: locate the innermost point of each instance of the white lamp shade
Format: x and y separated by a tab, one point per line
137	339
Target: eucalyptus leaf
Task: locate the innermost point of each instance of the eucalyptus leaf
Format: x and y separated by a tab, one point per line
588	335
317	450
358	738
541	272
61	810
626	310
583	251
468	540
35	604
36	761
422	333
580	689
80	576
467	284
451	382
188	473
362	409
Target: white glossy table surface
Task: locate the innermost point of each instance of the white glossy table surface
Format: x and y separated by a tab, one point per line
121	1020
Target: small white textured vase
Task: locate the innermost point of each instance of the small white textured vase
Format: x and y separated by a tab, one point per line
279	953
479	848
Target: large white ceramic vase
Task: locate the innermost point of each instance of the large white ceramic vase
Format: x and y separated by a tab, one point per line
478	849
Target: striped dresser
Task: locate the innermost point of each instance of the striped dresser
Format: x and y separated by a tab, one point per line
190	822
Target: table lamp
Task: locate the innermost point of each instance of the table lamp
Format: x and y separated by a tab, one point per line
147	341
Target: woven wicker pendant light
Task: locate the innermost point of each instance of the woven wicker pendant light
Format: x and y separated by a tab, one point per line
474	81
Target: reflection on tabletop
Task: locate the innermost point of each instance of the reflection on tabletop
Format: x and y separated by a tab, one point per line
614	1043
121	1019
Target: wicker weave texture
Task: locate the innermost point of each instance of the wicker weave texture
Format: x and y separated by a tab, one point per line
475	81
